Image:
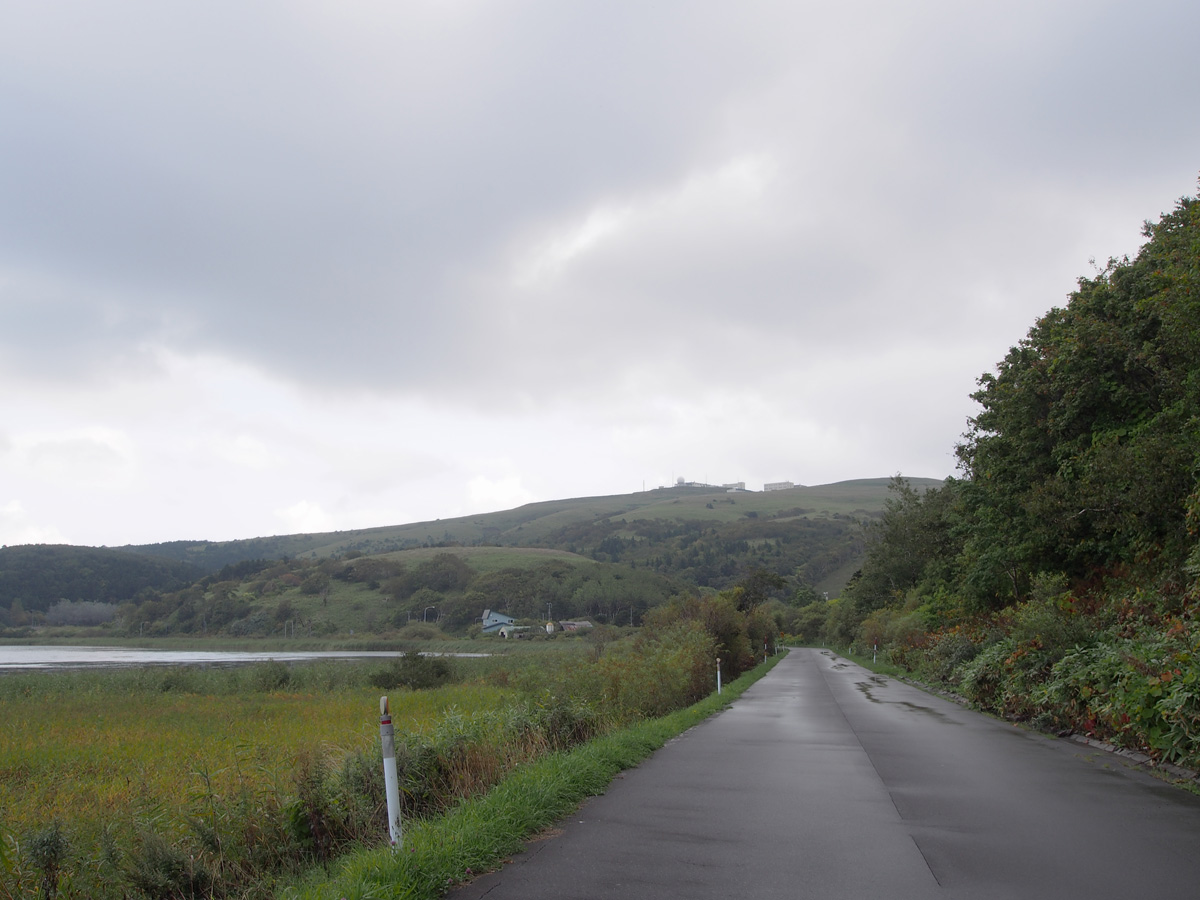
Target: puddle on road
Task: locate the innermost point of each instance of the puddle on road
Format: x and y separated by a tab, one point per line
880	681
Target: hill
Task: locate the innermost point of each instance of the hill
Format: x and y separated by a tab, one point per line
609	558
573	525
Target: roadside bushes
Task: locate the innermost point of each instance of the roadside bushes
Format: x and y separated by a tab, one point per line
648	675
1131	677
1141	694
737	634
1137	694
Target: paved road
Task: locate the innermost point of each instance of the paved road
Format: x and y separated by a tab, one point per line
827	781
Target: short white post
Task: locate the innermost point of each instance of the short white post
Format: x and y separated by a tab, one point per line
387	737
875	652
718	674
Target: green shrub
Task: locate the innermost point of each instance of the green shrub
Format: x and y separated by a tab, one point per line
48	850
414	671
946	654
982	679
271	675
161	871
1144	695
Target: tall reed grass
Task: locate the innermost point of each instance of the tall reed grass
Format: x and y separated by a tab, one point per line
225	783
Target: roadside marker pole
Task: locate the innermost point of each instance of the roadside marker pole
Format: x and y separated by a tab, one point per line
718	675
387	737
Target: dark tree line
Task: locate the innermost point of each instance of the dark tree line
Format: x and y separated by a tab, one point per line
41	575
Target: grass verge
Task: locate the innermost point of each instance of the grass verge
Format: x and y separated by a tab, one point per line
879	665
479	833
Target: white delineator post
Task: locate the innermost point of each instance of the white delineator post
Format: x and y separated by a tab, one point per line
387	737
718	674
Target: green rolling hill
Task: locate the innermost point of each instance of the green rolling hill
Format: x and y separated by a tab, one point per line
552	524
610	558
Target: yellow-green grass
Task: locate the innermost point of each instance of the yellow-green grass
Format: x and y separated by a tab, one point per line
348	606
99	759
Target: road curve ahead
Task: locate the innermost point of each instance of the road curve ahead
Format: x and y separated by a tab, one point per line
827	781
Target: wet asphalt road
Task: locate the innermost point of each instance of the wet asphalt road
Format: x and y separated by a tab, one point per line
825	780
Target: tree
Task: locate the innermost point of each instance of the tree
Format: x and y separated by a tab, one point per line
758	587
316	583
916	539
1084	454
443	572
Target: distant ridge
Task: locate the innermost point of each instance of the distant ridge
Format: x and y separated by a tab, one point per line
541	523
697	536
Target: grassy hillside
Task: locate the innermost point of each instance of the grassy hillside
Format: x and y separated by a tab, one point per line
607	558
542	524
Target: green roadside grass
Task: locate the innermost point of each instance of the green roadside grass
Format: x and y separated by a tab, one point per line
480	833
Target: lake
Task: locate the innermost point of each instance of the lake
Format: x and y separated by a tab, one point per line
25	658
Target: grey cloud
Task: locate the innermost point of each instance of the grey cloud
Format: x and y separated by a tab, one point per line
334	198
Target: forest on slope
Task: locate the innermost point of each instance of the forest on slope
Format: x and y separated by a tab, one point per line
1058	579
36	576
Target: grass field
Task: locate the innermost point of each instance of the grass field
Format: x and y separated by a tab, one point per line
180	782
114	757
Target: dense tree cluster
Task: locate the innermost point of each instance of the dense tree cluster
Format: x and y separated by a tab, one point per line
40	575
1059	578
1084	460
1084	455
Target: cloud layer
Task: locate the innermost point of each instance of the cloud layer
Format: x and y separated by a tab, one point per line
318	265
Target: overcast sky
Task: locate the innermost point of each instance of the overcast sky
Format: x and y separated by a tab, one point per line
298	266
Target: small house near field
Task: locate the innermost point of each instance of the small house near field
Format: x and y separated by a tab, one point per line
494	621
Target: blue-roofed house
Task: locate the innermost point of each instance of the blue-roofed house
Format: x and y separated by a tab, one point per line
494	621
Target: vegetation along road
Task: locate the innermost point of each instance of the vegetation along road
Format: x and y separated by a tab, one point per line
825	780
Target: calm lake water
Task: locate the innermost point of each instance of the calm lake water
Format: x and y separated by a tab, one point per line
50	657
